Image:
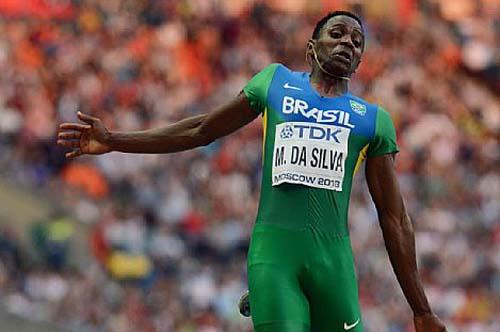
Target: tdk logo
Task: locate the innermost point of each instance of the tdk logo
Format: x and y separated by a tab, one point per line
287	132
298	106
311	132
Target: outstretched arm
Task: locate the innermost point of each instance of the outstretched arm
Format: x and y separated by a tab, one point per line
399	239
92	137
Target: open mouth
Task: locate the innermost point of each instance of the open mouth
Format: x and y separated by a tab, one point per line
343	56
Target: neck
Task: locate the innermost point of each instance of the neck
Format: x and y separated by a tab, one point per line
327	84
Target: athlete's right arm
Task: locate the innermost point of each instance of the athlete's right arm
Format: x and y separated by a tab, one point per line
92	137
399	239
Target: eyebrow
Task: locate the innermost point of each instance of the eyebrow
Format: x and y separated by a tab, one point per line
343	25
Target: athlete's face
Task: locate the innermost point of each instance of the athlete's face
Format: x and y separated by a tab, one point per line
339	46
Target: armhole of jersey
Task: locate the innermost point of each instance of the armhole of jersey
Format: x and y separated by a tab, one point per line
361	157
264	113
380	112
376	108
264	130
267	74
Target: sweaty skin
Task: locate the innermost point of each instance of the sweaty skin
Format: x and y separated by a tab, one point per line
340	34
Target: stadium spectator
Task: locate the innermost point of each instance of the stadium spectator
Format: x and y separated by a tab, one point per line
186	218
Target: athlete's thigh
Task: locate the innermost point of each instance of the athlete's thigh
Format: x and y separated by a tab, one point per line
332	291
277	302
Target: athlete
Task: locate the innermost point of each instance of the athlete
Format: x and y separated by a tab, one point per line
300	264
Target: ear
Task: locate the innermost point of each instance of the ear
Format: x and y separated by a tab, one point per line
309	51
310	44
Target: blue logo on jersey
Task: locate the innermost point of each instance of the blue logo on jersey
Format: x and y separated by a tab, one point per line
286	132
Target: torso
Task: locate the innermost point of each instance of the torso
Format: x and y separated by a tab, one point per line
312	145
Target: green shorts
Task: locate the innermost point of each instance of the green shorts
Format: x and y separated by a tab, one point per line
302	281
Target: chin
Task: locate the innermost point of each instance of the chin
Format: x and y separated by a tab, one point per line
340	69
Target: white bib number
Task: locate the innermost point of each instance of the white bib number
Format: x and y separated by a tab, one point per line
310	154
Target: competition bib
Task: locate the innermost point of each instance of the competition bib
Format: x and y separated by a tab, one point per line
310	154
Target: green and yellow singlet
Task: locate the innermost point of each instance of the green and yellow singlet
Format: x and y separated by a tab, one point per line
300	265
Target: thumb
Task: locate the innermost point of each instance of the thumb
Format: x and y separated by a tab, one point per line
87	118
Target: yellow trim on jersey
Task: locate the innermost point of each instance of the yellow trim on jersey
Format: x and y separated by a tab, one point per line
264	127
361	158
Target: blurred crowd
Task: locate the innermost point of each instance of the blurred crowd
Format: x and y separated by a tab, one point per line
168	234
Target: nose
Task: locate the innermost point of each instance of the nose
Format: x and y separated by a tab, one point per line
347	41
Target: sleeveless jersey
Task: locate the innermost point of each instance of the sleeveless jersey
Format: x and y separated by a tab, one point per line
312	147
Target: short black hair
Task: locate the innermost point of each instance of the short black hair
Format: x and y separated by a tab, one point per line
325	19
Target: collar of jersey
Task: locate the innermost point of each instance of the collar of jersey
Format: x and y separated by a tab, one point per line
307	78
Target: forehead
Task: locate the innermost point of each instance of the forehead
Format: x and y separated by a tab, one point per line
343	20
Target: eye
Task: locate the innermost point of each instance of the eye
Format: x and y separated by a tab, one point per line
357	40
336	34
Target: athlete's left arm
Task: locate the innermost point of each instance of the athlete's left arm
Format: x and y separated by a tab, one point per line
399	238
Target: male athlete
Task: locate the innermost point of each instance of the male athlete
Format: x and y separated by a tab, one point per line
300	265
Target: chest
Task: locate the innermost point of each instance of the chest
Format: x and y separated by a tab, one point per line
294	100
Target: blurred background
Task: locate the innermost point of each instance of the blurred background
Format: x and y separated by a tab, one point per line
150	243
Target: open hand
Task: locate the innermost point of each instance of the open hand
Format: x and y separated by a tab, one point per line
428	323
88	138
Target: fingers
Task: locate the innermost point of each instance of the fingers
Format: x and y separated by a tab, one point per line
75	145
87	118
73	154
69	135
74	126
69	139
89	121
68	143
